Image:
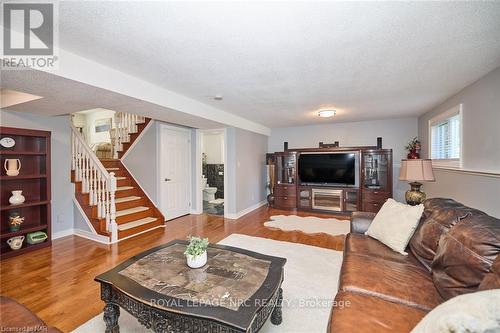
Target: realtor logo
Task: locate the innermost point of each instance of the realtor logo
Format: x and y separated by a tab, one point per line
29	35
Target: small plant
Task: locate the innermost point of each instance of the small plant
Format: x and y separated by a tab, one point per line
15	222
196	246
414	144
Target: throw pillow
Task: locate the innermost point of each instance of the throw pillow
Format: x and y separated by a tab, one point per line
477	312
394	224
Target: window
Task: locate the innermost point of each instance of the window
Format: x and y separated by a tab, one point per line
445	133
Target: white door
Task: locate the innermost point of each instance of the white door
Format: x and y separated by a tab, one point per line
175	175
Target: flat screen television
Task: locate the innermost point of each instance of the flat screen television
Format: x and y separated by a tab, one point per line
328	168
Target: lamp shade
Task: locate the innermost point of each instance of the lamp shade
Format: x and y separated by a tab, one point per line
416	170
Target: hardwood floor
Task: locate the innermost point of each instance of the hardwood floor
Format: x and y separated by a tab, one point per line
57	283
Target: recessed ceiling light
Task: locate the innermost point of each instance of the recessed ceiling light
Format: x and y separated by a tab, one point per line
218	97
326	113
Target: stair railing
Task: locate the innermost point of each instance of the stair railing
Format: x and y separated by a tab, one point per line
124	125
95	180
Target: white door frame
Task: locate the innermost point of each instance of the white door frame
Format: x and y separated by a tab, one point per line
159	138
199	171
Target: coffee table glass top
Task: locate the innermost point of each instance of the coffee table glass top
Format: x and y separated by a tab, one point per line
228	279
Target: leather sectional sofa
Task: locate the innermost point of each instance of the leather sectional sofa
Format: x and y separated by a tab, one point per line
453	251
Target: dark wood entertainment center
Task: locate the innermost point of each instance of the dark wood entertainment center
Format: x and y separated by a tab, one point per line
373	186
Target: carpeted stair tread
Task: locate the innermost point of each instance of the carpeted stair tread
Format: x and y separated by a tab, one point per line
137	223
131	211
127	199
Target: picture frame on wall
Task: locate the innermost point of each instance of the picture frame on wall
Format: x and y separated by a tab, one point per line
102	125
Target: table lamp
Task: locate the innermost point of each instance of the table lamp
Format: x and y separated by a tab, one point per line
416	171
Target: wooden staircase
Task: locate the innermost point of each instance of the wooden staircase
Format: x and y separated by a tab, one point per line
132	137
132	210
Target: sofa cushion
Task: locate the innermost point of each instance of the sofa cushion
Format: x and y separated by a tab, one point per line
392	281
367	246
363	313
492	279
439	216
395	223
465	255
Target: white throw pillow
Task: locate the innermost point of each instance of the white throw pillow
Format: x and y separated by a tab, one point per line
477	312
394	224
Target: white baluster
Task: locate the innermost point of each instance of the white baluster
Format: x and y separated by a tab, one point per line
106	206
114	226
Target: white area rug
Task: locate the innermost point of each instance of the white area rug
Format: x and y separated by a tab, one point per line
309	224
311	279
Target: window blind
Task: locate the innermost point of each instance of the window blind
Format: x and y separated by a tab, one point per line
445	138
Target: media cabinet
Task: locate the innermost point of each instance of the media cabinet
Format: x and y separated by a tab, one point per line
373	188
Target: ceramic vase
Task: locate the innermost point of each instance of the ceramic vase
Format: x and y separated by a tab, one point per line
196	261
15	243
17	197
12	166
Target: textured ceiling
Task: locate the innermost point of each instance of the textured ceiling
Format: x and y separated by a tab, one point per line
63	96
275	63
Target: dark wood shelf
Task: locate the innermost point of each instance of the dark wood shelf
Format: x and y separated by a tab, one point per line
23	231
26	248
21	152
32	148
22	177
28	204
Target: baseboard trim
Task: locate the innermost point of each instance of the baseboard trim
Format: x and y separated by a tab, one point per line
245	211
94	237
63	233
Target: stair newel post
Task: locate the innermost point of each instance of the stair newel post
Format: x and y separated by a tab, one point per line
107	212
114	226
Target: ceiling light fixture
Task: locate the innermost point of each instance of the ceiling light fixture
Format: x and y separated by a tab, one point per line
326	113
218	97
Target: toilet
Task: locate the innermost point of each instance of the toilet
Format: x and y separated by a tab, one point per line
208	192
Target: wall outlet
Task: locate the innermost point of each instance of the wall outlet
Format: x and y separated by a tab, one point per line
60	218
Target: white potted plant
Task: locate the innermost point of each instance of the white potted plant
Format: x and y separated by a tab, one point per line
196	252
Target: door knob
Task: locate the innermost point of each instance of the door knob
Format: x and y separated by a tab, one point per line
167	179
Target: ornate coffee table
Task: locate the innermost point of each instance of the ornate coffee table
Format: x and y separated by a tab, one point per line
236	291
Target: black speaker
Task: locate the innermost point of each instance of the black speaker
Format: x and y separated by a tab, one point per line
285	145
379	142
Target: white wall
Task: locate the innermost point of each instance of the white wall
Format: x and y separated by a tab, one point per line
394	132
142	161
61	186
212	145
245	169
480	146
90	119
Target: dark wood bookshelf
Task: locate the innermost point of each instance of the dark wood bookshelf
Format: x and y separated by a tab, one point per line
32	148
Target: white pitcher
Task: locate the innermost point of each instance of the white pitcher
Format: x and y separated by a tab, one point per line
12	166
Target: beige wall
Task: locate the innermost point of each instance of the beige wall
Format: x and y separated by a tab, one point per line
480	146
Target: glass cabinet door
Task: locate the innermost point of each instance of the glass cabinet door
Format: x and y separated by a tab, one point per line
286	168
375	171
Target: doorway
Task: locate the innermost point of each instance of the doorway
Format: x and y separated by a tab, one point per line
174	150
213	171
